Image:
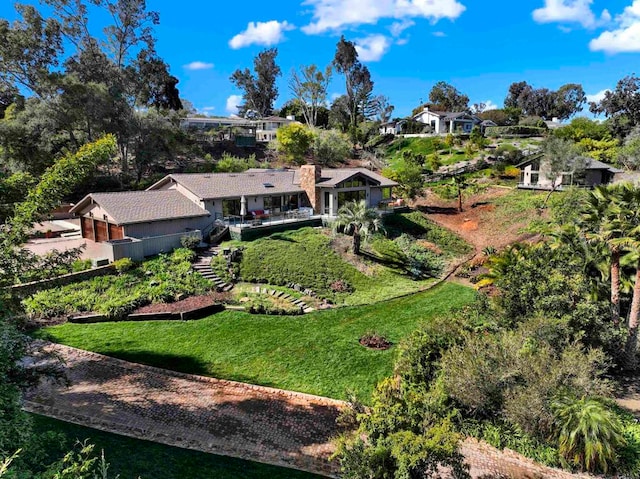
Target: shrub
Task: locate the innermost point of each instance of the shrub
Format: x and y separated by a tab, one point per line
589	433
123	265
80	265
267	304
511	172
515	130
330	147
294	141
341	286
190	242
183	255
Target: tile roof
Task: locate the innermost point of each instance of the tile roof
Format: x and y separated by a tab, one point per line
232	185
131	207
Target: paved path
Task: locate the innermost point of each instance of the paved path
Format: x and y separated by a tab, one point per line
223	417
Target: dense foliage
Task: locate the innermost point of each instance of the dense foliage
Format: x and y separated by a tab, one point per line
160	280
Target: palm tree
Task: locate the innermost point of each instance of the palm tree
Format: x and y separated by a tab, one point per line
357	220
605	221
589	434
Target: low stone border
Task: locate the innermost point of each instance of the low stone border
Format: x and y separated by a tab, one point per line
190	315
26	289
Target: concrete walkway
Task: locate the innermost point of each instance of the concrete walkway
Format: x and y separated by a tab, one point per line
223	417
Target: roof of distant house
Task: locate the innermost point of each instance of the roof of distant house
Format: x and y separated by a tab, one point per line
130	207
590	164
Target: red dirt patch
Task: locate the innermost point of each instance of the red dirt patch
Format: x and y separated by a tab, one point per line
188	304
375	341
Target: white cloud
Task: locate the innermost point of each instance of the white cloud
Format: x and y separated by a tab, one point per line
372	48
261	33
625	36
336	14
439	34
397	28
232	104
570	11
489	105
208	108
597	97
198	66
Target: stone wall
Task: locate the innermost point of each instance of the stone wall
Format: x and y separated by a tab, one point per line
26	289
310	175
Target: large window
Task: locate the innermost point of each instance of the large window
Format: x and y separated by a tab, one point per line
292	202
273	204
347	196
231	207
386	193
353	183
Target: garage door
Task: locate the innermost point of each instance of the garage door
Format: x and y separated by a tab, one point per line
116	232
87	227
101	231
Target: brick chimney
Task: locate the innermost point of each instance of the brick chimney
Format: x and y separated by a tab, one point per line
309	177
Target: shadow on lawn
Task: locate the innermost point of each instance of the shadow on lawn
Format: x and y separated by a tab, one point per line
219	417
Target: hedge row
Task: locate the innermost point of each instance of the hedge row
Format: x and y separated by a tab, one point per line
515	130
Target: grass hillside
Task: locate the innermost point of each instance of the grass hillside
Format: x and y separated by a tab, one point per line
317	260
318	353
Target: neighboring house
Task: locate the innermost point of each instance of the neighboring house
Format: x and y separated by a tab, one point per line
263	129
554	124
486	124
442	122
533	175
143	223
266	127
392	127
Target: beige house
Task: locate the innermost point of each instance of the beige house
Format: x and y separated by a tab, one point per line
535	174
196	204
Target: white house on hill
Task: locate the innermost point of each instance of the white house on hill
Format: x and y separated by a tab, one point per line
443	122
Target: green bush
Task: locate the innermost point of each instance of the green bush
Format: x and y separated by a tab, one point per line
515	130
190	242
123	265
183	255
80	265
267	304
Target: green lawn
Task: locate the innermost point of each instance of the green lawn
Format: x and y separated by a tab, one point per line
317	353
132	458
277	260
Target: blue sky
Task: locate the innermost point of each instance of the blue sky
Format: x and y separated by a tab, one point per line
481	47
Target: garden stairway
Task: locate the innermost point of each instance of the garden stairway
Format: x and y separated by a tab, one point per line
202	265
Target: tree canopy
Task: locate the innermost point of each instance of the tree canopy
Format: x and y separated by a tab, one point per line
259	88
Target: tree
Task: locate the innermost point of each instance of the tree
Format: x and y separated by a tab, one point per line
294	141
381	109
547	104
309	88
259	88
408	175
358	82
339	114
357	220
621	106
29	51
330	147
629	155
446	97
559	157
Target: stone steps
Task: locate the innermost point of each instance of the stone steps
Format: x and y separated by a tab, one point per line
202	265
287	297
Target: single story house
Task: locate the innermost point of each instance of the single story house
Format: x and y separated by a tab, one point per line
264	129
533	174
442	122
194	204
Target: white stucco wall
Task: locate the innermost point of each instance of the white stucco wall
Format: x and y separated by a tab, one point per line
161	228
